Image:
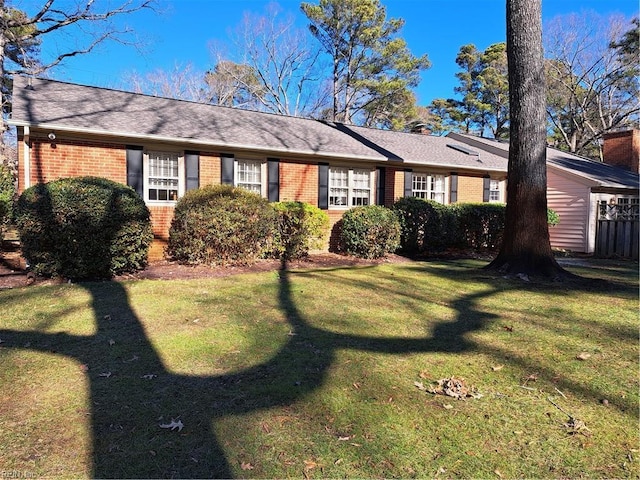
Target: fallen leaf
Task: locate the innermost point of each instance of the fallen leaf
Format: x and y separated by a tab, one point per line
246	466
107	317
583	356
112	342
149	376
310	464
508	328
497	368
356	385
420	385
173	425
344	439
497	472
447	406
105	374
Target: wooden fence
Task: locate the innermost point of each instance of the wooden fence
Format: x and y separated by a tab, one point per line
618	230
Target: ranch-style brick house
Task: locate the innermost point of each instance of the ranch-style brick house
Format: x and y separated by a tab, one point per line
163	147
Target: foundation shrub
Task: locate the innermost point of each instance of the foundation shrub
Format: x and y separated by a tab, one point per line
221	225
83	228
7	193
479	226
426	225
370	232
301	227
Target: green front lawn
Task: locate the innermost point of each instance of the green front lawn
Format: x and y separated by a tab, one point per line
323	373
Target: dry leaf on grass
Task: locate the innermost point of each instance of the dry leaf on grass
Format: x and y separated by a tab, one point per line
246	466
454	387
173	425
583	356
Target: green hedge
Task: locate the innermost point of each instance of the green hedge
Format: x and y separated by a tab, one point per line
301	227
426	225
479	226
370	232
83	228
7	193
221	225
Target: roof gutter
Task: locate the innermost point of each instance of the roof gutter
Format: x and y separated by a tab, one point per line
189	141
241	146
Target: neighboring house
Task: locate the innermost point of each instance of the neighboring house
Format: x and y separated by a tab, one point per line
163	147
576	188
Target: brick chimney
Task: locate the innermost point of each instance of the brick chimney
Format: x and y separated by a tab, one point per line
622	149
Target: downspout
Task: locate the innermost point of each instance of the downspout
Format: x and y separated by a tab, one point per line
26	156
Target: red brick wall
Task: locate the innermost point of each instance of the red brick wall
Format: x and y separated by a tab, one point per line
298	182
622	149
69	158
209	169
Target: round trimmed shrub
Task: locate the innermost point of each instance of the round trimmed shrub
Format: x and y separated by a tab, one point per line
221	225
83	228
301	227
371	231
426	224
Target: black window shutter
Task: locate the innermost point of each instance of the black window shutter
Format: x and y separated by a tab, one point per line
192	169
408	182
486	185
273	179
134	169
227	164
323	186
453	187
382	171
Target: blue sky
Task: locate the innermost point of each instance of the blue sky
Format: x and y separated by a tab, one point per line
182	33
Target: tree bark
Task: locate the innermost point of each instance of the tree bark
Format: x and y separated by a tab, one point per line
526	247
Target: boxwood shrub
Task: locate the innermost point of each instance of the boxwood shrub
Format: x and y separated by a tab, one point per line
83	228
221	225
370	232
480	226
426	225
301	227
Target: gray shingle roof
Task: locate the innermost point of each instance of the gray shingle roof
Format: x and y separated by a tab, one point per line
65	106
602	174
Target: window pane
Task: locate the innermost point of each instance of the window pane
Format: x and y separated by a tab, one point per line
163	178
249	175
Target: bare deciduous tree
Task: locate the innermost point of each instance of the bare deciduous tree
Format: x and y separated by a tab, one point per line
592	88
274	64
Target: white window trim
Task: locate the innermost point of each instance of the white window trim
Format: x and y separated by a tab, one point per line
429	192
146	169
493	182
263	173
350	186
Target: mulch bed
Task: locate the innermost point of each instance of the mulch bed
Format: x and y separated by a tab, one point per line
13	272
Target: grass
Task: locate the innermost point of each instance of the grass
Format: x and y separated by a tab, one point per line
312	373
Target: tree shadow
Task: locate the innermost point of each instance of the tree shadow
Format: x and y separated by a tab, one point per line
132	391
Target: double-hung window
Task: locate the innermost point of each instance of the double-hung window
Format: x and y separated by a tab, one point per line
163	176
428	187
494	190
249	175
349	187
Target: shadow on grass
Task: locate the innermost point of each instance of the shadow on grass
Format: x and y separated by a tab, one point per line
132	392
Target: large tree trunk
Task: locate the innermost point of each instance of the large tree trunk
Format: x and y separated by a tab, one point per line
526	247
